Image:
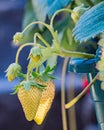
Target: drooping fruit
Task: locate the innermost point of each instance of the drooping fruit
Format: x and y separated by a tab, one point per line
29	100
45	102
36	102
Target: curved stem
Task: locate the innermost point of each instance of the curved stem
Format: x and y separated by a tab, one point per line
63	111
41	38
49	28
57	12
44	24
19	50
64	53
76	99
37	22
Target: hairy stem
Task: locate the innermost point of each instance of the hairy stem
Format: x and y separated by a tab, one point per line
57	12
64	119
54	34
65	53
37	35
19	50
76	99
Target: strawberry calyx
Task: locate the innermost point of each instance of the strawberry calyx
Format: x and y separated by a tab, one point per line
28	84
37	79
45	74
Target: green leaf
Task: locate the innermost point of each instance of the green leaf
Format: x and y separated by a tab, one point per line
47	69
56	5
52	76
29	15
40	86
67	41
52	61
35	74
40	9
90	24
16	89
53	68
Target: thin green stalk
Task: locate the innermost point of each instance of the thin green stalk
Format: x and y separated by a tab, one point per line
76	99
65	53
42	39
19	50
56	43
71	112
57	12
28	75
63	111
37	22
42	23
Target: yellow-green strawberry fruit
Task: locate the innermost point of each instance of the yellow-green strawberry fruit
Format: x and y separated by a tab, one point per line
45	102
29	100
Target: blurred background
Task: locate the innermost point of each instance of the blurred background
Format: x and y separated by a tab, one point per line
11	113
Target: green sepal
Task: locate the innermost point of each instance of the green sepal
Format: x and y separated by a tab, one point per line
28	84
35	74
16	89
35	51
46	53
53	77
52	61
45	75
40	86
49	69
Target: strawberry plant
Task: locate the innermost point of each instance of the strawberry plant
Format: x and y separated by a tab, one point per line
79	29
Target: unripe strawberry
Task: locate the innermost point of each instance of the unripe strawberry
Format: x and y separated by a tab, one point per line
45	102
29	100
36	102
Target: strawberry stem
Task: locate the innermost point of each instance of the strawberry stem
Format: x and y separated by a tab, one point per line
56	13
19	50
37	35
76	99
